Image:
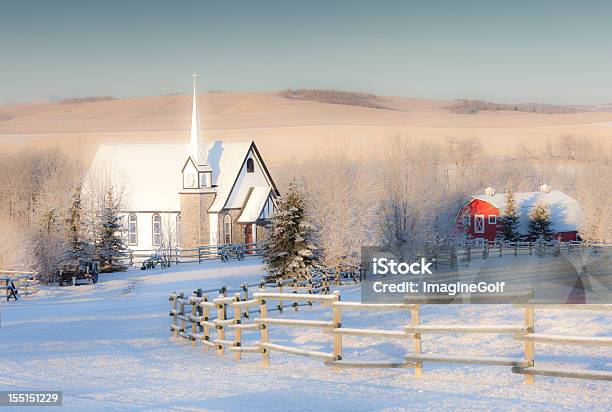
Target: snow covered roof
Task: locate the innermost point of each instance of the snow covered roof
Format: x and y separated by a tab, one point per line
150	173
565	211
255	203
225	159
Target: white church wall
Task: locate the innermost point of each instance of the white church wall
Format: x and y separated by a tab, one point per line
245	181
145	229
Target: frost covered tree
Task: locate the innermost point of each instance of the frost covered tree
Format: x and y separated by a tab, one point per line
79	248
291	239
508	230
540	225
110	243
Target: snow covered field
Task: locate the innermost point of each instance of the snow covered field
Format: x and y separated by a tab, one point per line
108	347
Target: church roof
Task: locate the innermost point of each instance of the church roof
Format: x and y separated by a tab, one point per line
149	173
565	212
257	198
152	172
226	160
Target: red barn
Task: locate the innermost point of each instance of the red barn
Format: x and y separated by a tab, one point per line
480	216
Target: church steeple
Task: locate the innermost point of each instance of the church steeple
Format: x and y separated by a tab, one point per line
197	146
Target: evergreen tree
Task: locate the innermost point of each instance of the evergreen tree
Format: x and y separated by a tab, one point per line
508	230
290	248
540	223
79	249
110	244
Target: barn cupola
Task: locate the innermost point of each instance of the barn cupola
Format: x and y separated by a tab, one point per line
197	147
489	191
545	188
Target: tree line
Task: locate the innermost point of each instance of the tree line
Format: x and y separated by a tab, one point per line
405	193
54	215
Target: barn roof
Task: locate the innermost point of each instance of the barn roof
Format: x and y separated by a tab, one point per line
565	211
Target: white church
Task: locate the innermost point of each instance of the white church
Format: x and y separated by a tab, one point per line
203	193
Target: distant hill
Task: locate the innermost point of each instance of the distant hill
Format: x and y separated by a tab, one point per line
291	124
336	97
87	99
465	106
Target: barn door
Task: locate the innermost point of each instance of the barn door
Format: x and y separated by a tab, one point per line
479	222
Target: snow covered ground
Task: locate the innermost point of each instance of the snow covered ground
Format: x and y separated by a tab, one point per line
108	347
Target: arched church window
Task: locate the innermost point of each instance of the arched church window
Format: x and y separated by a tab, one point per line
157	230
132	229
250	165
227	228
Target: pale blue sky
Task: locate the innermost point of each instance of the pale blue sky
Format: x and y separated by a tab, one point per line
512	51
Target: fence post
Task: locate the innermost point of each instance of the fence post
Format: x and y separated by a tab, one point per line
181	312
199	255
194	318
501	248
173	313
220	328
131	258
415	320
245	296
530	248
529	345
516	248
265	333
337	321
199	311
295	290
206	314
279	284
237	331
325	284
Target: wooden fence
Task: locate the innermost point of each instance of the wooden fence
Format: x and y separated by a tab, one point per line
193	320
199	254
17	284
462	254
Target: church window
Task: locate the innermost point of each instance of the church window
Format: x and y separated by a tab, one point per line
250	165
227	229
157	230
132	229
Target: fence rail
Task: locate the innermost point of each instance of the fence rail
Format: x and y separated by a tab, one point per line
18	284
199	254
462	254
193	320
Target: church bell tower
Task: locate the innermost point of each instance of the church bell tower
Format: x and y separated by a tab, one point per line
198	191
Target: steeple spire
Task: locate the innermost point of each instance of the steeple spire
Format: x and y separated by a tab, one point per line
196	148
